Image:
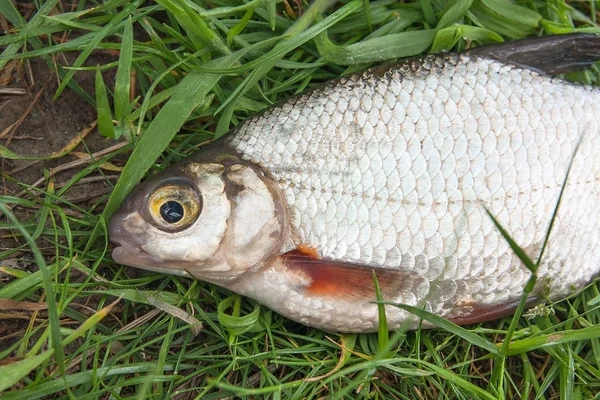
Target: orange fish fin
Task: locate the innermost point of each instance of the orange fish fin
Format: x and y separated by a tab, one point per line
330	278
307	251
480	313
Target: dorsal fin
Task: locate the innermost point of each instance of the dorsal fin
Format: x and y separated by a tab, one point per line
550	55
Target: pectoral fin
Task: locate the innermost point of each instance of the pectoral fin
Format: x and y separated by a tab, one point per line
550	55
350	281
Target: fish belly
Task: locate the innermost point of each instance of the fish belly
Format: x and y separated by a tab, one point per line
396	169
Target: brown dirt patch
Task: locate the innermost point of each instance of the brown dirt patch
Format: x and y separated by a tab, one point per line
48	127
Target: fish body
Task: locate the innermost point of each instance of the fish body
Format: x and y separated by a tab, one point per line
393	171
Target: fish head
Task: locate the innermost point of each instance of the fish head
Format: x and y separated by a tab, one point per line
212	221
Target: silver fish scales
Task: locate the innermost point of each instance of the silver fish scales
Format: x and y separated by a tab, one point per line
393	170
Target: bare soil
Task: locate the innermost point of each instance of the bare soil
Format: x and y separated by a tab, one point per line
48	126
41	126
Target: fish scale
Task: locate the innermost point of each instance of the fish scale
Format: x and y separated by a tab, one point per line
395	170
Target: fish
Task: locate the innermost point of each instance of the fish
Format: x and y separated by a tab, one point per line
392	173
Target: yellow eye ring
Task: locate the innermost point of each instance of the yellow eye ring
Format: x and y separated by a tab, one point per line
174	207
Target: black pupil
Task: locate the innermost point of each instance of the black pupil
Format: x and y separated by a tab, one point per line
171	211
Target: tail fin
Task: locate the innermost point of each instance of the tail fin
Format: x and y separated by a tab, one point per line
550	55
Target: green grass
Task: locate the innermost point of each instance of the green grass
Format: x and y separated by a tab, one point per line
200	70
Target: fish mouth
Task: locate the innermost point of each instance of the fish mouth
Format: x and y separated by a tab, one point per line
127	253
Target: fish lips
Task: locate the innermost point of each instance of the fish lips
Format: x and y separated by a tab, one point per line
128	253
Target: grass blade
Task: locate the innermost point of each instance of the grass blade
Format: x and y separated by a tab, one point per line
54	386
123	79
198	31
96	39
11	374
53	311
504	18
383	333
527	262
388	47
271	13
567	376
449	326
513	12
454	13
428	12
236	30
425	366
10	12
565	337
35	21
105	124
235	324
367	7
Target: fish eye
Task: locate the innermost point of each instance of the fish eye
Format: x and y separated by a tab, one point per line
174	207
